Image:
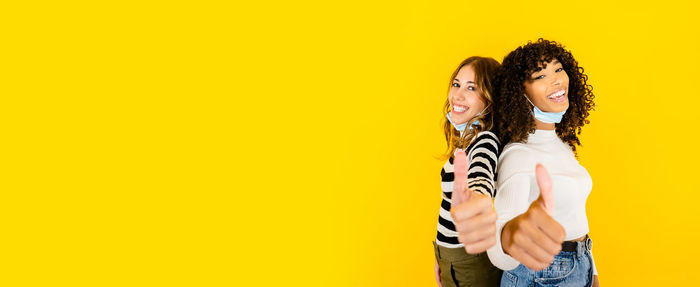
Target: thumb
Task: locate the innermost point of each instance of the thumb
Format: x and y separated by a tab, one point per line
459	187
545	183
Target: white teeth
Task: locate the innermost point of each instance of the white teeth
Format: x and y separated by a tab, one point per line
459	109
557	94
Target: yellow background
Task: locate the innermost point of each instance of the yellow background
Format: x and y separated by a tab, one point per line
292	143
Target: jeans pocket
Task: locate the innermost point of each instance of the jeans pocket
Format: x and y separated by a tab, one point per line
561	268
509	279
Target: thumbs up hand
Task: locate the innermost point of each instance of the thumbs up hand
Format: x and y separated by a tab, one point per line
459	186
534	237
472	212
546	198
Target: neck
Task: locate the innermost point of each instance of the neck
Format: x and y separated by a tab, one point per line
542	125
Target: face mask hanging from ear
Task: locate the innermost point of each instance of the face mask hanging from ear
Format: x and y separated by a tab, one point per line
545	117
462	127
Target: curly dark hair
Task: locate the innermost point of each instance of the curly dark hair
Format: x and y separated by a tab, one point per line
514	120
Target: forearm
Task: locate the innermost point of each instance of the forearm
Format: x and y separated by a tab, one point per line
483	159
497	254
595	272
511	200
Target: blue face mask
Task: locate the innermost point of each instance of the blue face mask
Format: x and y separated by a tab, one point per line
462	127
545	117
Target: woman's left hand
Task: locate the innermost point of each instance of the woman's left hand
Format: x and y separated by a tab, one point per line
595	281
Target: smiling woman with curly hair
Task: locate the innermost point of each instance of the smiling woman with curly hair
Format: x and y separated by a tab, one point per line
515	111
542	229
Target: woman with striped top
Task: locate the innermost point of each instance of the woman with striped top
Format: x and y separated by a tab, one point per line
467	222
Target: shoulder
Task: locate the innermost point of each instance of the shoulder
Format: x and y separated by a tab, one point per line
485	139
487	136
485	145
517	151
515	158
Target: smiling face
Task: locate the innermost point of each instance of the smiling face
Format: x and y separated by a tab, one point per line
548	88
465	98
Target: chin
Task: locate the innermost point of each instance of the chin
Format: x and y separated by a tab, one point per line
561	107
461	120
566	106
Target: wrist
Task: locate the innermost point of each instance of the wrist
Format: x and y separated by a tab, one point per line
505	238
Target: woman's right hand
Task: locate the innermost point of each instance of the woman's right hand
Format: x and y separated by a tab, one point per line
437	273
472	212
534	237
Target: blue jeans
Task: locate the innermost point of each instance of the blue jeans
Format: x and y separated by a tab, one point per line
567	269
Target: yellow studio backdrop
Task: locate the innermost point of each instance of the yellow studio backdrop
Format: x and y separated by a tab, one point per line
206	143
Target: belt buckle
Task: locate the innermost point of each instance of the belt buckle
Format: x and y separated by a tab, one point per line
589	243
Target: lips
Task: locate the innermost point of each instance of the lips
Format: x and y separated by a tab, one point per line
558	96
459	109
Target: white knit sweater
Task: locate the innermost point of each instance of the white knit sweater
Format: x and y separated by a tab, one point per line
517	187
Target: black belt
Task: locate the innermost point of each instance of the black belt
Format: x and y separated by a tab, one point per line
570	246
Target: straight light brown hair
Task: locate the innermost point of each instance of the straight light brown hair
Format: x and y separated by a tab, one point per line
485	70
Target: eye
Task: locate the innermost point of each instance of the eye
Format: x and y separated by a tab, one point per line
471	88
456	85
539	77
559	70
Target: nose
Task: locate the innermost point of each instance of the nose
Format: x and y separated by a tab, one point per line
557	81
460	94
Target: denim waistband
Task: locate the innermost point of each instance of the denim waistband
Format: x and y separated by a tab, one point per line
583	246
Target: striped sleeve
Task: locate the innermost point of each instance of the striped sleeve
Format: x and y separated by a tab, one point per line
483	158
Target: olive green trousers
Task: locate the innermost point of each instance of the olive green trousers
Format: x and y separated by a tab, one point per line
460	269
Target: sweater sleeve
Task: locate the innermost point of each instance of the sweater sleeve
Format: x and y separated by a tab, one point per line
512	199
483	158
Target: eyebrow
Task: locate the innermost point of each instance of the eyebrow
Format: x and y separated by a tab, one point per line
467	81
540	69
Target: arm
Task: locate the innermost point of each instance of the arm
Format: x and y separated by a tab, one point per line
527	233
534	237
511	201
595	272
483	160
596	283
472	210
438	273
476	171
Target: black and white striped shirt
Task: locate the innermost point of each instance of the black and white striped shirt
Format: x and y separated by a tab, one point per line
483	157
